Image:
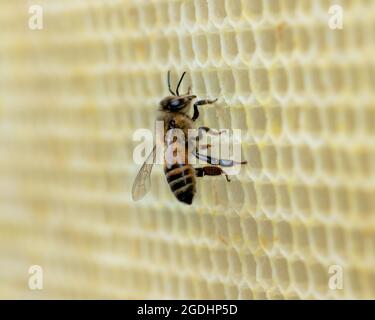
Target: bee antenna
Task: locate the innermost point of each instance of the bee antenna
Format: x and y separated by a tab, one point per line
169	83
178	86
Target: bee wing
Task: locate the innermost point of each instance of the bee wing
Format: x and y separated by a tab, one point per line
142	182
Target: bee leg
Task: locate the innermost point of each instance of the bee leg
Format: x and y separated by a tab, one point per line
214	161
200	103
210	131
204	146
200	136
210	171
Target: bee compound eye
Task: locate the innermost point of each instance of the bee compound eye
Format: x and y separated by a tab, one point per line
175	103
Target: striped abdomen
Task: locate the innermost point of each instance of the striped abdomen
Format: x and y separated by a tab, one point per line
181	180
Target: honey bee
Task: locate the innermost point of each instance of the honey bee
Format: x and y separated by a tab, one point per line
181	176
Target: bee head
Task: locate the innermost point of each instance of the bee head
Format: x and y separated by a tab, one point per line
176	103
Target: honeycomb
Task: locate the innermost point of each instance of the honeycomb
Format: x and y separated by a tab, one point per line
73	93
